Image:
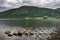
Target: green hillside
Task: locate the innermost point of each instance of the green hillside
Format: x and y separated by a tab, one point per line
30	11
34	15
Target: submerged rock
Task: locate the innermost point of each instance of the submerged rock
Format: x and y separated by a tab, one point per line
7	31
24	30
10	35
27	32
15	33
19	32
31	33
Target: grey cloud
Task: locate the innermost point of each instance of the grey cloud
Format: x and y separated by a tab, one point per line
18	3
10	4
39	3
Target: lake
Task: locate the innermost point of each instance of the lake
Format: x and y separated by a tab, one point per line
27	24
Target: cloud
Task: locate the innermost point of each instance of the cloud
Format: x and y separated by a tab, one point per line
39	3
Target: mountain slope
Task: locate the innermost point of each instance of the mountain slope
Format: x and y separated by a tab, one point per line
29	11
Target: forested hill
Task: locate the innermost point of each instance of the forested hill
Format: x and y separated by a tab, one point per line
30	11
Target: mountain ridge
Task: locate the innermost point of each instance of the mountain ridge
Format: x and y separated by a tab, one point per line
26	7
29	11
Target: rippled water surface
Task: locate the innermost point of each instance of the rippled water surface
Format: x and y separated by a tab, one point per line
43	26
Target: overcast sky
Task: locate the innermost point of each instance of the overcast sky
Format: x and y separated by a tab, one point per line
9	4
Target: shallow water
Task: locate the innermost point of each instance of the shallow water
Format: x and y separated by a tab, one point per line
5	24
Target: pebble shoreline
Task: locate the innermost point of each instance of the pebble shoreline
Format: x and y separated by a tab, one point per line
36	35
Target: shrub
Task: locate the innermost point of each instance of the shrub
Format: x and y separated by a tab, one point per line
45	17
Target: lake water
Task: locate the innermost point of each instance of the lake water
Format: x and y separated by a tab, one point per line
28	24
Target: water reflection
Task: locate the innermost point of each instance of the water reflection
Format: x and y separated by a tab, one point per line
13	25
